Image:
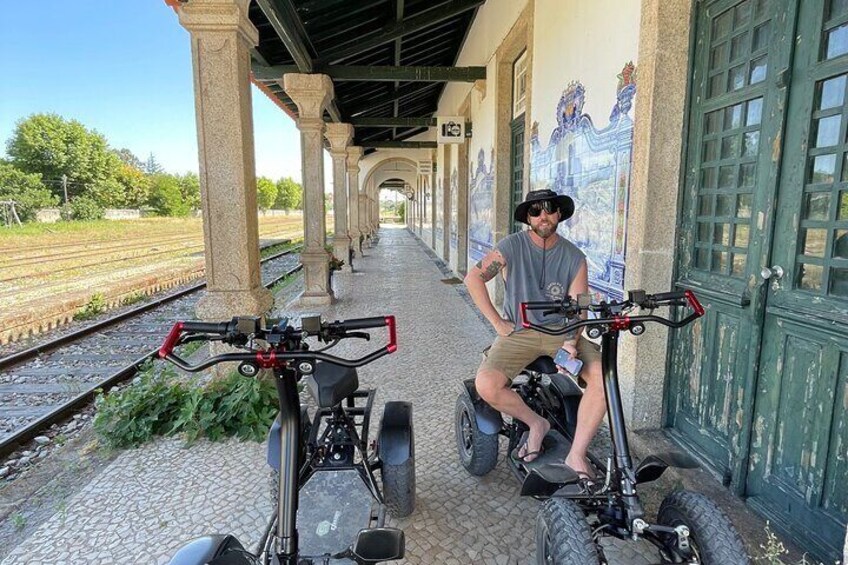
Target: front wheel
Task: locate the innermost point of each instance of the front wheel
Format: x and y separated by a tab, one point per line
713	538
563	536
399	487
478	451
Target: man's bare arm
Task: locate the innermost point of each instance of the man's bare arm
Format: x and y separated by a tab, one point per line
580	285
476	279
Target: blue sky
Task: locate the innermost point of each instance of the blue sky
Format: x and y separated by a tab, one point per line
122	67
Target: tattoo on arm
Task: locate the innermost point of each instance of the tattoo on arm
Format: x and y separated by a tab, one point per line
479	264
491	271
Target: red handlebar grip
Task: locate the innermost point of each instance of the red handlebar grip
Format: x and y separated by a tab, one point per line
693	302
390	322
171	340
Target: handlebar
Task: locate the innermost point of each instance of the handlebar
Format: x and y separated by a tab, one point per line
285	342
614	315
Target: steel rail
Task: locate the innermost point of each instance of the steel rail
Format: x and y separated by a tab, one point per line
31	430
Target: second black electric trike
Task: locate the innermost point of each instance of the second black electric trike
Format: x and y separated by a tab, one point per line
577	512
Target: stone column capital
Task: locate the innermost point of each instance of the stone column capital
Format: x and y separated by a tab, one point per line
218	15
310	92
354	154
339	136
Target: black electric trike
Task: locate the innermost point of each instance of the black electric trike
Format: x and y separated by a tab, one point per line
577	512
333	440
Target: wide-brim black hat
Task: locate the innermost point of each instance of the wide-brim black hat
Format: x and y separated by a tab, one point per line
565	204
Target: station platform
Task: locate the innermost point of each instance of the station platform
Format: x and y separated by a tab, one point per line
151	500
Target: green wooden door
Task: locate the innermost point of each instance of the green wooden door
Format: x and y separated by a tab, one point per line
798	465
758	386
735	122
517	167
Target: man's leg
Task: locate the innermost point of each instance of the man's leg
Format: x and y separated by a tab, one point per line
593	406
493	387
503	361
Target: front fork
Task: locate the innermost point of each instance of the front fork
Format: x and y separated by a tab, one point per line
633	512
623	462
286	544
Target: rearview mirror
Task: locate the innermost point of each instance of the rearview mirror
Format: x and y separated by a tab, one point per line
378	544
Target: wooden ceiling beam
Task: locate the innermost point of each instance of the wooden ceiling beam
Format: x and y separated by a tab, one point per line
378	73
282	16
398	144
438	13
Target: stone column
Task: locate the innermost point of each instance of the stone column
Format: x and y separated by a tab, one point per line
311	93
433	205
354	154
221	39
654	185
339	136
363	219
445	174
375	212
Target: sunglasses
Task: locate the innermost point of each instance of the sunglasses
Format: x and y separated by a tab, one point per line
548	206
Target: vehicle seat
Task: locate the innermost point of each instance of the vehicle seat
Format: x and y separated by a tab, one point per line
544	364
330	384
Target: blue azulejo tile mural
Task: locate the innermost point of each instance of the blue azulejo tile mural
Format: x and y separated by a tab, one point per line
593	167
480	207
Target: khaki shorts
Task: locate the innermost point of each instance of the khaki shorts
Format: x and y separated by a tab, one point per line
509	355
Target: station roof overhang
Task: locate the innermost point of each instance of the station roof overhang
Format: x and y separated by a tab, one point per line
389	60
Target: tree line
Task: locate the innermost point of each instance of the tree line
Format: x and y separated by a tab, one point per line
57	162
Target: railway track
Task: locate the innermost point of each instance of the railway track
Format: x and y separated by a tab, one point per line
45	384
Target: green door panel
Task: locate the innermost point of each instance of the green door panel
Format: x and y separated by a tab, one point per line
516	168
797	463
797	467
737	109
709	364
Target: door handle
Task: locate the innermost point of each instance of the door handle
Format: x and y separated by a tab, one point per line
775	272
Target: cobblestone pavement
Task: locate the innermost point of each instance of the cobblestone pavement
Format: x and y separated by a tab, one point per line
153	499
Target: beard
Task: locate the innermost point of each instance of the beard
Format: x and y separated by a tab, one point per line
544	229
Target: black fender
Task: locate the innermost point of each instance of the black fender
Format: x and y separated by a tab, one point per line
652	467
569	395
489	420
396	440
275	438
219	549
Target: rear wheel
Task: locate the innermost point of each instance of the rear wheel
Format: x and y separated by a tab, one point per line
563	536
713	538
478	451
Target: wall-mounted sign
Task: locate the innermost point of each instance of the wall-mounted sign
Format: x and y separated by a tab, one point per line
425	167
450	129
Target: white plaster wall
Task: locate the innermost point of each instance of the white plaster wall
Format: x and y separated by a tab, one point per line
586	41
494	20
374	159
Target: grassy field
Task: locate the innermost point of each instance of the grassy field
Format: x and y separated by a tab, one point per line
42	265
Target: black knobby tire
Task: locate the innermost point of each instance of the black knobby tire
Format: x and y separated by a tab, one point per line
478	452
713	536
399	487
563	536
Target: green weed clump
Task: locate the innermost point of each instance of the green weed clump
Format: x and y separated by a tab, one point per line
96	305
157	404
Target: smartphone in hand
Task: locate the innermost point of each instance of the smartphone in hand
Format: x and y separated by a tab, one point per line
572	365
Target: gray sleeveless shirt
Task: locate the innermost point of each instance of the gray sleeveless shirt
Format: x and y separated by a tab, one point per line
535	274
